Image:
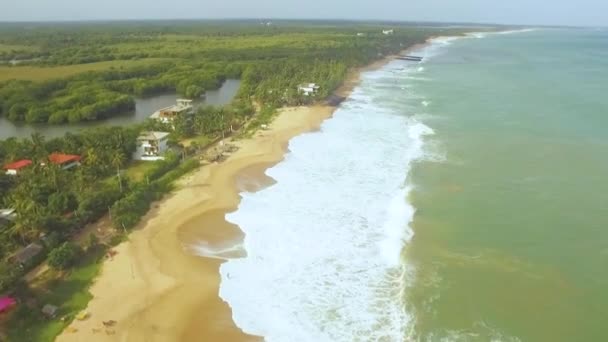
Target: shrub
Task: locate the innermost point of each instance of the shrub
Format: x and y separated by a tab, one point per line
163	166
93	241
9	274
64	256
127	212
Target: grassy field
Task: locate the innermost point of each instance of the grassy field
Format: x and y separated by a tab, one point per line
35	73
9	48
138	169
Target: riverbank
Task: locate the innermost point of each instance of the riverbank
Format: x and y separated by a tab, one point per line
156	287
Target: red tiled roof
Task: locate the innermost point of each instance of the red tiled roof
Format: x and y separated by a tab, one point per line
60	159
18	164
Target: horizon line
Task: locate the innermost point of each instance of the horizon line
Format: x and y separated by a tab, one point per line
228	19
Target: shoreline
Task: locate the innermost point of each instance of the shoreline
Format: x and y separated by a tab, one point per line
157	288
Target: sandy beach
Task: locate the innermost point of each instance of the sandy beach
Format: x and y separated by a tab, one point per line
158	287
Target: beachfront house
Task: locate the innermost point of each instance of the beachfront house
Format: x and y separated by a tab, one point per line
16	167
65	161
388	32
308	89
168	114
151	146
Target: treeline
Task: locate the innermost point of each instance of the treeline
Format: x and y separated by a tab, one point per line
276	84
198	57
76	43
99	95
127	212
43	194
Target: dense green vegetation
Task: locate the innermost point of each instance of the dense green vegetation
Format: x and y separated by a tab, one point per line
188	58
40	73
64	256
55	204
71	291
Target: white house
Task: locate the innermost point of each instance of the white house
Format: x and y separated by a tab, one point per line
360	34
151	146
308	89
388	32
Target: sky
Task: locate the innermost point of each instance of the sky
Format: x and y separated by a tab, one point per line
527	12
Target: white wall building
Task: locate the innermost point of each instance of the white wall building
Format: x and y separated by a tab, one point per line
168	114
308	89
151	146
388	32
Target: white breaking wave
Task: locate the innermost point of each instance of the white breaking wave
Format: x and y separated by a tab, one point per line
444	40
324	244
481	35
228	251
525	30
478	35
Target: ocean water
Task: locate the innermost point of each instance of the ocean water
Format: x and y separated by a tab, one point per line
459	199
511	231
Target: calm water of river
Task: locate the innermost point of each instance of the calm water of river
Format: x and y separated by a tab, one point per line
144	107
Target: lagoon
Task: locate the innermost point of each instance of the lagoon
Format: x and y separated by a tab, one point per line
144	107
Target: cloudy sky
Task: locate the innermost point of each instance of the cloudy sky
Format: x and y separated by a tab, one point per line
549	12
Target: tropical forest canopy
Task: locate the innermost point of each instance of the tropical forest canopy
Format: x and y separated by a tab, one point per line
73	72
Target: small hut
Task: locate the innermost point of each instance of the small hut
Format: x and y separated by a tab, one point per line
50	310
24	255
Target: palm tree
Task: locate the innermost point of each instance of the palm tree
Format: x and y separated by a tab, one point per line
54	175
29	215
38	146
91	156
117	160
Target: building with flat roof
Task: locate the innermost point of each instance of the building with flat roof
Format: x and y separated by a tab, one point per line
168	114
151	146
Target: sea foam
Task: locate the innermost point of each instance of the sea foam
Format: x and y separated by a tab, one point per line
324	244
